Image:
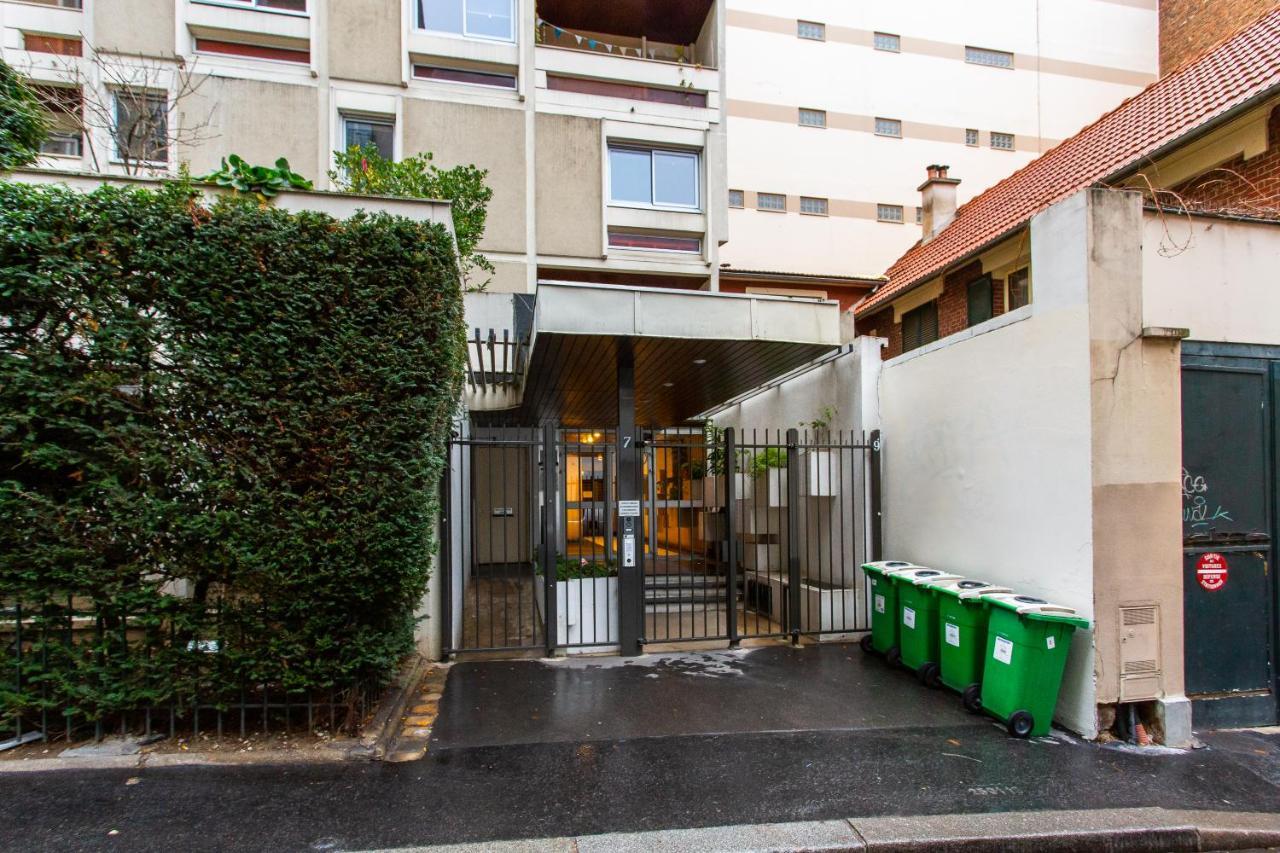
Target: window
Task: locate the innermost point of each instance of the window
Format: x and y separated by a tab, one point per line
654	242
920	326
277	5
888	41
971	136
771	201
889	127
980	306
142	126
1019	288
811	30
813	206
653	177
486	19
813	118
737	198
984	56
464	75
919	215
1003	141
64	108
377	132
889	212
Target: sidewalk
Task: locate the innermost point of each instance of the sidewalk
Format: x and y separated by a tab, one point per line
716	751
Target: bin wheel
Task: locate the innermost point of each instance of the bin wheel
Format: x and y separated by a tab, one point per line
893	656
1021	724
972	698
930	675
867	644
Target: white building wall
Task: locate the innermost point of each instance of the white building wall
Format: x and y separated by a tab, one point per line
987	448
1073	61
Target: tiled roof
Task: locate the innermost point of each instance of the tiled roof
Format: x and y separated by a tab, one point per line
1240	68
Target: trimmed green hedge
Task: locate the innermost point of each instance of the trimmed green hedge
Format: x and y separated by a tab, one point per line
221	433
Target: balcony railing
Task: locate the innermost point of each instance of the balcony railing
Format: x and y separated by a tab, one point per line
631	47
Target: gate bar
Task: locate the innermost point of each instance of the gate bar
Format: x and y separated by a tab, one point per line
731	594
876	514
630	578
793	533
446	552
549	511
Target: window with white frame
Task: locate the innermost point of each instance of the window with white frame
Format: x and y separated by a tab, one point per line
971	136
274	5
813	206
485	19
737	198
1003	141
889	42
889	212
653	177
376	132
141	126
812	118
811	30
771	201
919	215
65	112
888	127
986	56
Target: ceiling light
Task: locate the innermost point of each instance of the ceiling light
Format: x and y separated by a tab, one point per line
668	384
699	361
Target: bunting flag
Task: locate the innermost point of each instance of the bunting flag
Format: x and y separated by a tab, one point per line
592	43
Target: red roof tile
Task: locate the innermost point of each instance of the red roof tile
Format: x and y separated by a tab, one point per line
1240	68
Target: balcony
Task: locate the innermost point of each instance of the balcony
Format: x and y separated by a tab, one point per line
681	32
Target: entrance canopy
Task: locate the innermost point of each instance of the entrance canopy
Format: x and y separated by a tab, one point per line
690	349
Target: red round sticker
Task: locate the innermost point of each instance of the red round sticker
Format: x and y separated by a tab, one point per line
1211	571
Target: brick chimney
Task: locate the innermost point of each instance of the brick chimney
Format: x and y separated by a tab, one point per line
937	200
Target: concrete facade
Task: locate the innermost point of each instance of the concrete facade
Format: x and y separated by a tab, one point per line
538	109
1066	64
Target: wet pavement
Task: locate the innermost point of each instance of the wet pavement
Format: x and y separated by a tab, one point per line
625	751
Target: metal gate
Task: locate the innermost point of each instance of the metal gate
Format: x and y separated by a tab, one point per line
1229	489
740	534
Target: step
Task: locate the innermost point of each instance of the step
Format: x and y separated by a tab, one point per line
658	581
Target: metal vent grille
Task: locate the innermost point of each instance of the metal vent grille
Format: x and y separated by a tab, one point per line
1137	667
1139	615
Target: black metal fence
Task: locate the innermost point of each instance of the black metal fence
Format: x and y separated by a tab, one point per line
743	534
74	669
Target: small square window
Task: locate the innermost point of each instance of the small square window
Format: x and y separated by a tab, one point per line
737	198
889	212
813	118
919	215
1003	141
378	133
889	127
986	56
811	30
771	201
888	41
971	136
813	206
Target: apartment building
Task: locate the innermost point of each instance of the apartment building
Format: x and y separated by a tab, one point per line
601	125
835	109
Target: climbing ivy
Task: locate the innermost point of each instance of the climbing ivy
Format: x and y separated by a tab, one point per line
221	436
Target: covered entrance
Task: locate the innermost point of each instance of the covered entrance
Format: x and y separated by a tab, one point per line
1230	432
617	523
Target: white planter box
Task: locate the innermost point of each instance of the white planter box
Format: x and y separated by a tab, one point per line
586	612
768	489
760	557
820	474
830	609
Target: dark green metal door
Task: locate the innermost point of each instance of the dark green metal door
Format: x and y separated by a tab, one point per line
1229	481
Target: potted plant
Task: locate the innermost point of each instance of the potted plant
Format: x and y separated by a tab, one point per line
586	604
759	476
694	474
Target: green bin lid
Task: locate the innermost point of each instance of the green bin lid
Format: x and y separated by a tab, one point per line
1030	607
921	576
889	567
966	588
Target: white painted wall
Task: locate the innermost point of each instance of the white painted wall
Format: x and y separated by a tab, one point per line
987	449
1215	277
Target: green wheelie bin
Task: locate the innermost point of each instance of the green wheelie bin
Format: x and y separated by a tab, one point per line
962	618
884	606
1027	644
918	630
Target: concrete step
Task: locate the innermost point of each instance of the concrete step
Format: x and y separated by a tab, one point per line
679	580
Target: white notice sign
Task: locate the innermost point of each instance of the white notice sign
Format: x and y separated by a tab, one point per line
908	617
1003	651
879	603
628	509
953	634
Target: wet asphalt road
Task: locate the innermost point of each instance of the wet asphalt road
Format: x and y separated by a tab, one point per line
490	776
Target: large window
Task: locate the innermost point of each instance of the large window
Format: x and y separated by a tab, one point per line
652	177
980	305
920	326
378	132
65	120
486	19
142	126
